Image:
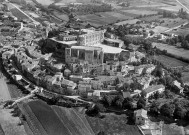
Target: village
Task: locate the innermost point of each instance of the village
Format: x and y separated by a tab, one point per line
111	69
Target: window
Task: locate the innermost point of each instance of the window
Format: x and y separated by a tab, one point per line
82	54
95	54
68	52
74	53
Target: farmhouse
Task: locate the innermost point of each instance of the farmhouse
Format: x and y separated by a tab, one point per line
152	89
140	117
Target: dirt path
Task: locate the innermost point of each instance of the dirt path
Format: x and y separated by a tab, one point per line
9	123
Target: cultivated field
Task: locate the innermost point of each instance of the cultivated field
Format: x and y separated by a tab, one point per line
180	52
61	16
17	13
75	122
180	31
42	119
60	2
170	62
46	2
151	18
140	12
185	3
128	22
105	18
170	23
113	125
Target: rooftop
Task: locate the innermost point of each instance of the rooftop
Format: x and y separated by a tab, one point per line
87	47
113	40
142	113
154	88
69	43
110	49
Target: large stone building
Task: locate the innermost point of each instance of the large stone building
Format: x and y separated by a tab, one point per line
79	54
90	37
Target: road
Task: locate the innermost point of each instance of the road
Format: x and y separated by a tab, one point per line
176	27
25	13
183	5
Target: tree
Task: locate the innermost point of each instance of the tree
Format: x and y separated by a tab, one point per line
167	109
158	71
185	44
151	32
127	103
141	103
126	87
119	101
144	60
100	107
179	112
108	99
154	108
143	94
168	94
187	115
116	81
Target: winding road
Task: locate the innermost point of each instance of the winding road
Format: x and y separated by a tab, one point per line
183	5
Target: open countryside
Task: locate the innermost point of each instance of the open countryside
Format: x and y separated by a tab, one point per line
180	52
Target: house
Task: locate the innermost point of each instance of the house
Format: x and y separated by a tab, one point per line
67	72
127	94
139	69
149	68
113	42
140	117
152	89
100	93
76	78
178	86
67	83
84	87
144	81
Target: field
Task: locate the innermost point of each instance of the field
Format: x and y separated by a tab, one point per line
151	18
71	118
185	3
170	62
61	121
105	18
61	16
113	125
140	12
160	29
171	129
46	3
172	22
17	13
59	2
180	31
180	52
185	77
128	22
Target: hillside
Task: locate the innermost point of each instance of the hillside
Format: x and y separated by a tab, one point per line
43	120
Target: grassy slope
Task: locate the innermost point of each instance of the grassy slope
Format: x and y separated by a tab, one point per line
73	121
173	50
170	62
113	124
48	119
